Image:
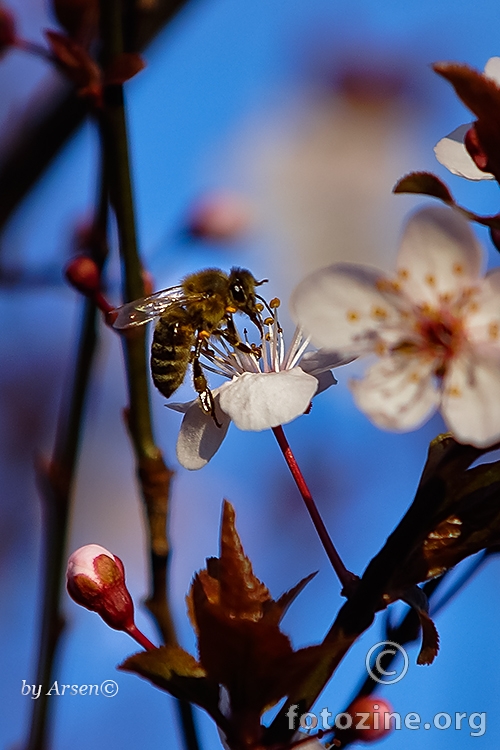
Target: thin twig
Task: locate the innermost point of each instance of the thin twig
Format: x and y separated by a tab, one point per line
39	141
346	578
56	484
154	476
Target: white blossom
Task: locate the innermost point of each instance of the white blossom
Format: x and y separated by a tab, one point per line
451	151
435	329
267	387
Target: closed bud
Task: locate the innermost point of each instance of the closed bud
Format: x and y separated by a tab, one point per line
83	273
96	581
371	719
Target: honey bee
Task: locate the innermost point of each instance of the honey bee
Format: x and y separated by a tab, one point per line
188	314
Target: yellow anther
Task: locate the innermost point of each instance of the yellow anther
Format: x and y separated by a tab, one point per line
454	391
231	309
204	335
403	273
458	269
430	279
275	302
269	321
379	312
352	316
259	307
493	330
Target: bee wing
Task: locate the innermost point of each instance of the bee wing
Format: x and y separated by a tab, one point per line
141	311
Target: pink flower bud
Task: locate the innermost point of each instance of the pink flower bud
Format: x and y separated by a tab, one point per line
370	718
83	273
219	217
96	580
7	29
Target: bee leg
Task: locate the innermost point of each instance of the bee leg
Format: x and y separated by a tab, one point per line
231	335
204	393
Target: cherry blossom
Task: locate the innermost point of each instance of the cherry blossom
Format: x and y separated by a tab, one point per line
460	151
435	329
267	387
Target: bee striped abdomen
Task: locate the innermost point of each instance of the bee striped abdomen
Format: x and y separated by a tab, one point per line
171	350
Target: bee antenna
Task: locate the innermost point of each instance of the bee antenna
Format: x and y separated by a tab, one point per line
259	283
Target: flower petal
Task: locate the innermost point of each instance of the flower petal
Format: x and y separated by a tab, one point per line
398	392
259	401
340	308
439	255
81	562
199	437
322	360
325	381
482	318
452	154
471	399
492	69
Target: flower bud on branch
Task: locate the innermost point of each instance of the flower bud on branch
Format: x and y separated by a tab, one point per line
96	581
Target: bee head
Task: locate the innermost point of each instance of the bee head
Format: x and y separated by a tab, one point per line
242	292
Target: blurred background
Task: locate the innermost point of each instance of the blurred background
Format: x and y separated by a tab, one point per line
306	113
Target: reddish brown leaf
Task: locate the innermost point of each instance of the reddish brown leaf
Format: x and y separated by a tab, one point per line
430	639
424	183
241	593
173	669
478	92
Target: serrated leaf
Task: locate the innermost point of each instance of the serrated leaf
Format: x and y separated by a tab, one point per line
240	644
430	639
175	670
241	592
478	92
466	520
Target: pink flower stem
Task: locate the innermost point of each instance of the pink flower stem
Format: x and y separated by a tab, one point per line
141	639
346	578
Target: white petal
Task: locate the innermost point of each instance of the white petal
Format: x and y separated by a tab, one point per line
471	399
199	437
482	318
82	561
322	360
259	401
398	392
452	154
340	308
181	406
439	255
325	381
492	69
